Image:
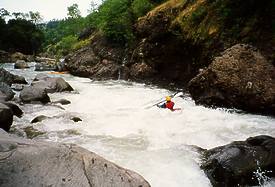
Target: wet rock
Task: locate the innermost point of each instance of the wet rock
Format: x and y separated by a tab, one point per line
141	70
39	119
51	84
76	119
17	87
21	64
31	163
10	79
44	67
100	60
32	132
241	78
63	101
6	117
32	94
236	164
6	92
15	109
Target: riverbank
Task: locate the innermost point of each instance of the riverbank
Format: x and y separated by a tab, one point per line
116	126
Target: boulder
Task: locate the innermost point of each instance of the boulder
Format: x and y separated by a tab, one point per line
76	119
32	94
141	70
15	109
63	101
6	117
238	163
44	67
9	78
31	163
39	118
51	84
4	57
21	64
6	92
18	56
17	87
240	78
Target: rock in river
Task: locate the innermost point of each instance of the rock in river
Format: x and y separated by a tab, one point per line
236	164
27	163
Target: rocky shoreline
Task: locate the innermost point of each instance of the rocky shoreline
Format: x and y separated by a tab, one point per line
26	162
218	163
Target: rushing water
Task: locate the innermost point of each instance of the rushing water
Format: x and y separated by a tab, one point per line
153	142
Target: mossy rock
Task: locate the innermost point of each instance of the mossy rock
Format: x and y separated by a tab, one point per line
32	132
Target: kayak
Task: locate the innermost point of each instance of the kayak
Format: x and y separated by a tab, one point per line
57	72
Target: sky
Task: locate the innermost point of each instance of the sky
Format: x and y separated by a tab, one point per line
49	9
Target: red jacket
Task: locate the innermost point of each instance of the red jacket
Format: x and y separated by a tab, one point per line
170	105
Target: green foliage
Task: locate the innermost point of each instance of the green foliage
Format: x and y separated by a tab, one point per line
141	7
80	44
63	47
115	20
20	35
73	11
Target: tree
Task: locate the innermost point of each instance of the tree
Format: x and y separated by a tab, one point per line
93	7
35	17
4	13
73	11
20	15
22	35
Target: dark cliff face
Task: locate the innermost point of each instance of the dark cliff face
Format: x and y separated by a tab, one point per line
179	37
240	78
176	39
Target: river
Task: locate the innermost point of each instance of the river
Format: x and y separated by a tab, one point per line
118	124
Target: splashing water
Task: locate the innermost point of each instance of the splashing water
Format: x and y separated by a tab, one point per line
153	142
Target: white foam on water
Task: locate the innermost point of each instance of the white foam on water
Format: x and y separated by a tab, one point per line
153	142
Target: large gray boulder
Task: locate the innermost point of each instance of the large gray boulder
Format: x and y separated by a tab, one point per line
32	94
9	78
6	92
6	117
236	164
51	84
27	163
241	78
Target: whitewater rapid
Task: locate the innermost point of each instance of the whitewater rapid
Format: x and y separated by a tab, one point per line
156	143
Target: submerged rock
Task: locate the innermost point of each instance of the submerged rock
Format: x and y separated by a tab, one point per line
31	163
236	164
63	101
39	119
76	119
32	94
241	78
32	132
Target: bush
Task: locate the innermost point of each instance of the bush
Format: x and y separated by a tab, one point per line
141	7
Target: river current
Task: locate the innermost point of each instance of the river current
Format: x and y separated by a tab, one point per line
119	124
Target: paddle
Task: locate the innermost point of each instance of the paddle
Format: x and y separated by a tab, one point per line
162	101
